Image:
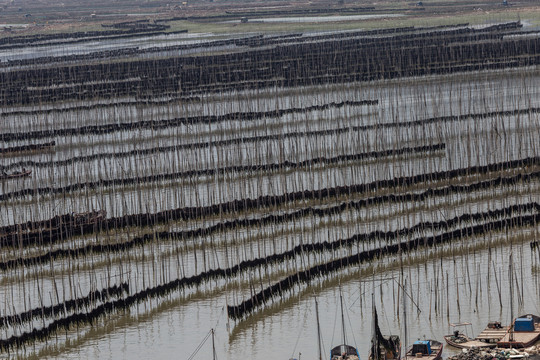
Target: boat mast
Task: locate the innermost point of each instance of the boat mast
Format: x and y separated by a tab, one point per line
374	339
511	275
213	346
404	315
318	328
342	316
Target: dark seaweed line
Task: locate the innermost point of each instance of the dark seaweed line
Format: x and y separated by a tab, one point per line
446	38
13	235
252	41
29	147
161	124
124	35
320	63
236	312
476	116
129	52
243	140
104	129
59	110
450	32
67	306
270	219
218	171
256	41
223	170
158	124
49	39
404	34
259	299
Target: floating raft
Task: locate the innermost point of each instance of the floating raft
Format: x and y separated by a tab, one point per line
492	335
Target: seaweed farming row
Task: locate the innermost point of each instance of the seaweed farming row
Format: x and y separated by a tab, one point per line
266	170
246	223
131	29
251	41
322	62
205	172
60	227
67	306
161	124
286	284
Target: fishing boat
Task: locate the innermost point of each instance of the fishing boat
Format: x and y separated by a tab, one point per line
421	349
90	217
383	347
343	351
524	332
16	174
424	349
460	340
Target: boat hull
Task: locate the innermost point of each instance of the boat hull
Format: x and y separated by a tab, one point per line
16	175
522	339
468	343
388	356
436	348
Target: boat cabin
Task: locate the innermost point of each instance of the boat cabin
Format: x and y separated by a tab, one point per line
524	324
421	347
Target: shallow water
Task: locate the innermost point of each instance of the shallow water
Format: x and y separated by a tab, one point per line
453	282
288	328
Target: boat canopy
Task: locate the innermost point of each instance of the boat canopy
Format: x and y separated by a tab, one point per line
421	347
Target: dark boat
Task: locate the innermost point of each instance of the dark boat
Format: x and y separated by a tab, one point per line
344	352
421	349
389	348
424	349
90	217
16	174
383	347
